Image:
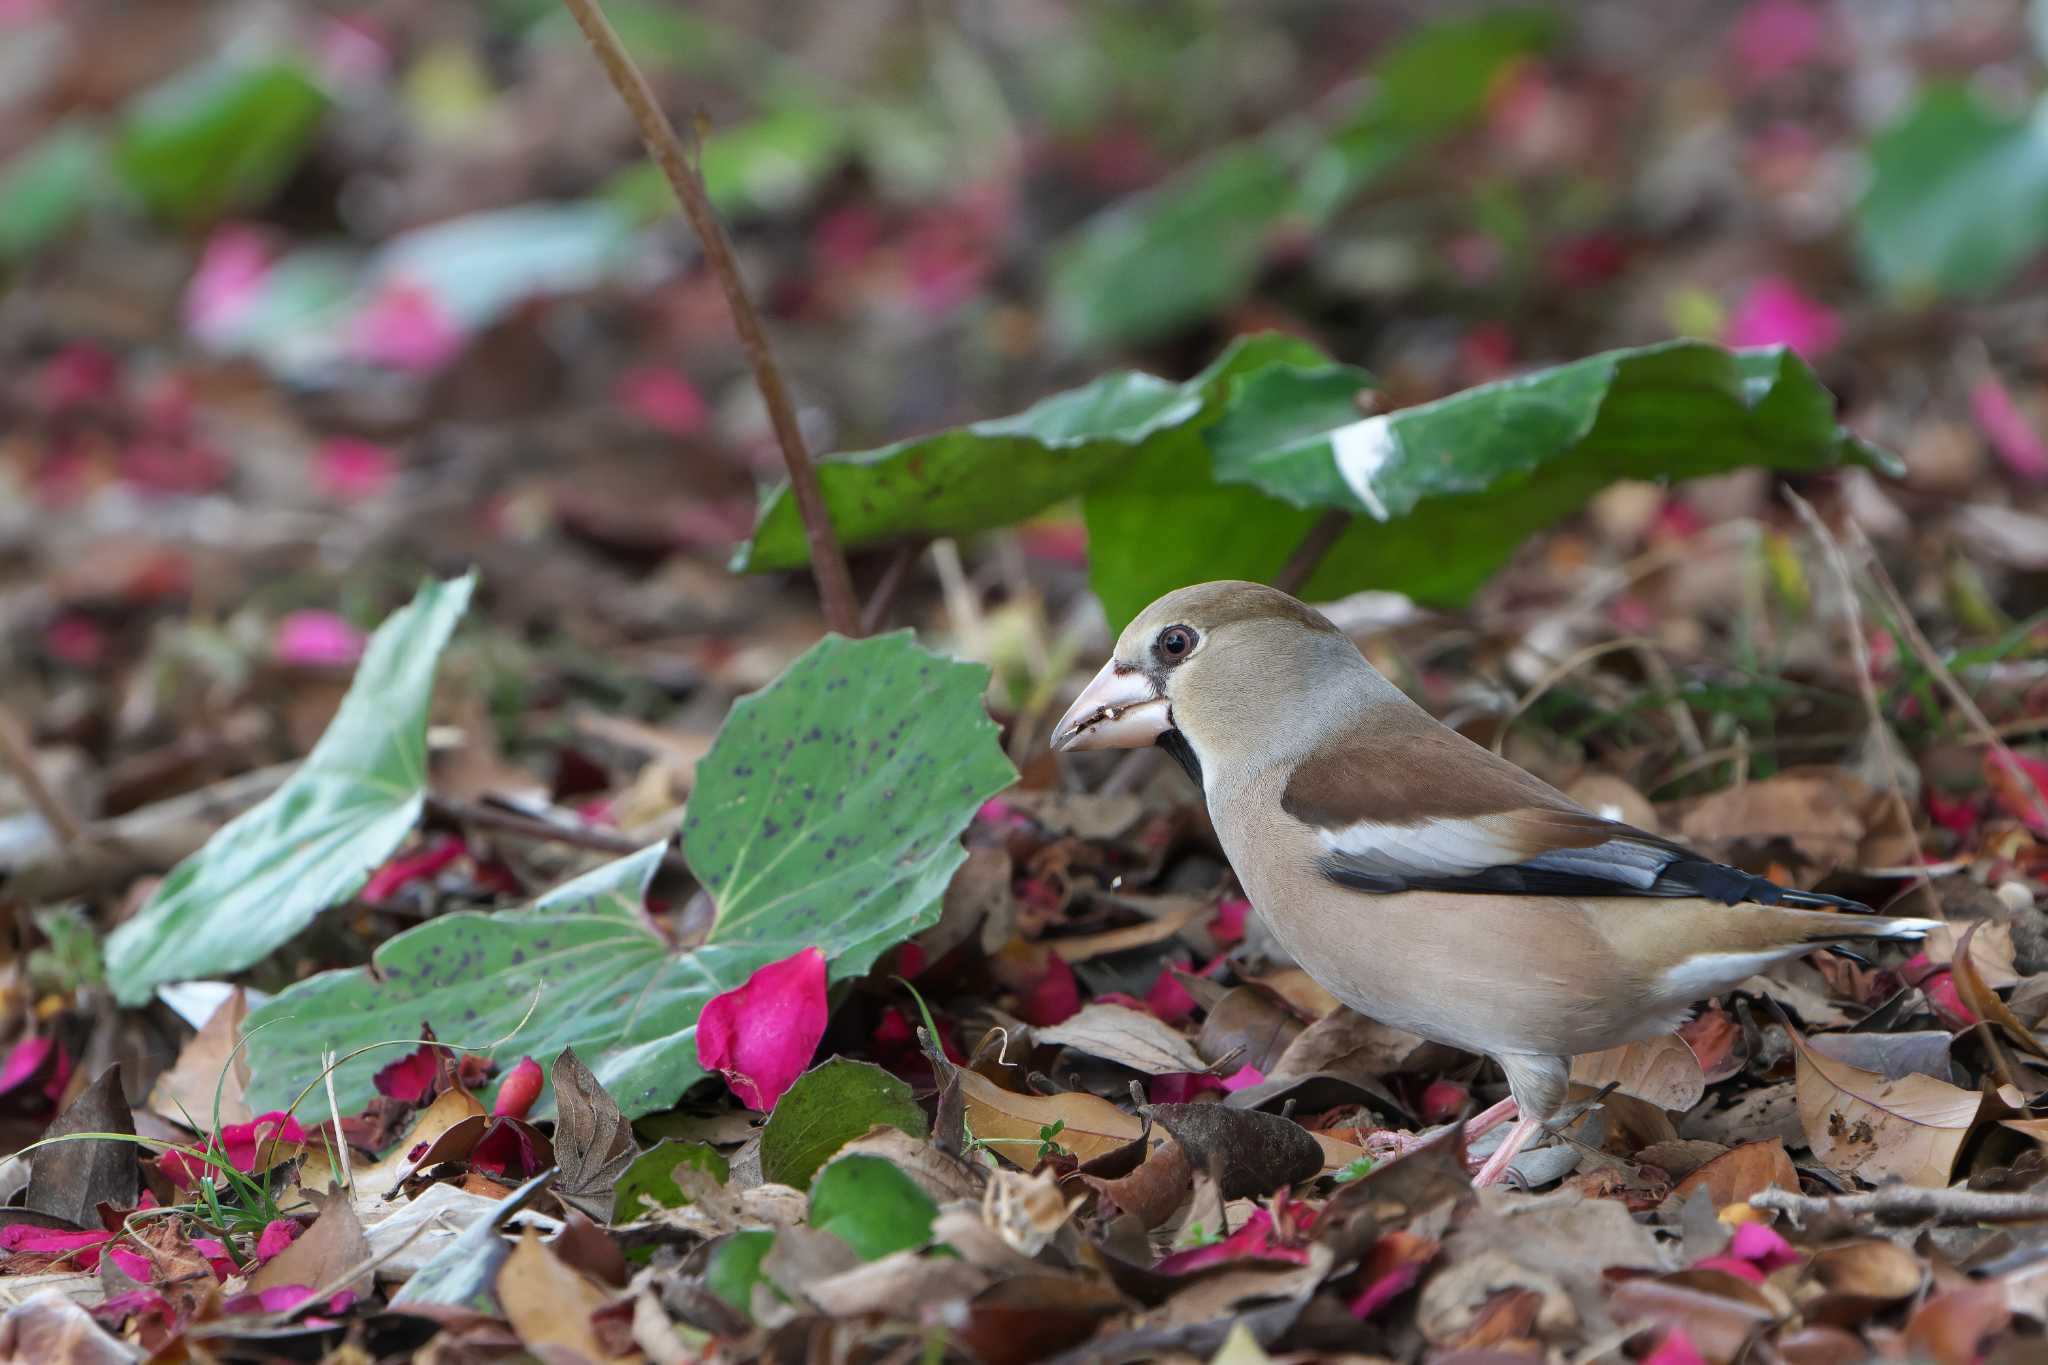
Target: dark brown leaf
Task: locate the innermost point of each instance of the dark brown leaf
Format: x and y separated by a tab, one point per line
1155	1189
593	1141
1251	1154
71	1179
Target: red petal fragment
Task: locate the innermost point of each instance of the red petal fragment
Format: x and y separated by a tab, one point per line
761	1036
521	1088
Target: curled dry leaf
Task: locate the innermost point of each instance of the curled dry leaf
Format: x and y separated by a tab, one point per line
1152	1192
1859	1123
901	1285
1014	1122
1026	1211
1736	1174
70	1180
939	1175
209	1064
1251	1154
1988	945
1126	1036
1660	1071
332	1254
1870	1268
1977	990
1819	810
593	1142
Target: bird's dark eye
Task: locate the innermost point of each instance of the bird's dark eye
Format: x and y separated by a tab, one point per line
1174	644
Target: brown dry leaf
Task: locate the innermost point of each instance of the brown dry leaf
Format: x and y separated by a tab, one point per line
1084	814
939	1175
375	1187
1977	992
1859	1123
548	1304
593	1141
901	1285
1337	1152
961	1227
52	1330
1818	809
1871	1268
1454	1308
70	1180
1952	1328
1251	1154
1681	1156
1607	795
1991	950
1152	1192
1128	1037
1302	991
1026	1211
1660	1071
1346	1043
1184	912
1093	1125
1250	1026
334	1247
1721	1329
187	1089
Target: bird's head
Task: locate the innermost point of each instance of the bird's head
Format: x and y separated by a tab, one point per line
1222	675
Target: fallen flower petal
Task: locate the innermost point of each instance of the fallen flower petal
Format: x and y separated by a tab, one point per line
1776	313
318	639
387	880
521	1087
760	1037
349	470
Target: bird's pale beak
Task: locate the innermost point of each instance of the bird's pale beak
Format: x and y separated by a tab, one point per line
1116	710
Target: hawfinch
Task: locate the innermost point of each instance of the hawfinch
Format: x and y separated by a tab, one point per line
1421	879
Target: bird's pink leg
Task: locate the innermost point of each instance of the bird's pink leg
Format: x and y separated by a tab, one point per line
1510	1146
1486	1120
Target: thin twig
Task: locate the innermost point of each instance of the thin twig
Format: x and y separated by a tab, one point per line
542	831
828	562
1859	648
1934	664
1905	1203
894	576
1302	563
20	759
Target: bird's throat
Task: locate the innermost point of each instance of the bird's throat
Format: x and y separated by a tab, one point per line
1176	743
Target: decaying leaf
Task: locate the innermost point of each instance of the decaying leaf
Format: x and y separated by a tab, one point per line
209	1065
1660	1071
593	1141
1155	1189
1249	1026
829	1106
1126	1036
71	1179
1739	1172
1089	1125
548	1304
331	1255
1862	1124
1026	1211
1251	1154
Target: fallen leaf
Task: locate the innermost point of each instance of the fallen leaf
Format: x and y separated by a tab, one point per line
1302	991
1126	1036
1870	1268
1249	1026
1817	809
1091	1125
1347	1043
1990	950
52	1330
1660	1071
1251	1154
1722	1329
942	1176
464	1275
1859	1123
1740	1172
1977	993
649	1181
330	1256
904	1285
210	1064
593	1141
1891	1055
829	1106
1026	1211
549	1304
761	1035
71	1179
1184	911
871	1206
1152	1192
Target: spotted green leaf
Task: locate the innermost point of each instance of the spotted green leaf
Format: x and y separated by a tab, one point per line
827	813
314	842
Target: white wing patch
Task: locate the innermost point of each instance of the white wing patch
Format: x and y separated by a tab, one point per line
1457	848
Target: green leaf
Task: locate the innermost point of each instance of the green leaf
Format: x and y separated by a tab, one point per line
223	137
314	842
43	190
827	813
1446	490
994	473
1957	199
871	1206
735	1268
829	1106
1187	249
653	1174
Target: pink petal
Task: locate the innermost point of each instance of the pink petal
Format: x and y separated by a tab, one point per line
278	1234
508	1151
1181	1087
411	1078
387	880
1244	1077
80	373
1254	1239
761	1036
404	328
1775	313
24	1060
1441	1101
351	50
1762	1246
241	1142
1169	999
133	1264
230	278
1228	926
2008	430
1055	998
25	1237
216	1253
349	470
75	640
1675	1349
318	639
1731	1265
664	400
517	1092
1383	1290
1776	36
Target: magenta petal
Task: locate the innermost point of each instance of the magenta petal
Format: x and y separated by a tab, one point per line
1244	1077
410	1079
133	1264
278	1234
1761	1246
2008	430
761	1036
1383	1290
1675	1349
318	639
348	470
517	1092
664	400
24	1059
1775	313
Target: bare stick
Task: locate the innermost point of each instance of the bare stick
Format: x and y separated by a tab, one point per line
1859	648
876	613
541	831
20	759
1905	1203
828	563
1302	563
1965	703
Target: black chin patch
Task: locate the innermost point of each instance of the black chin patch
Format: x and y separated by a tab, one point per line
1175	743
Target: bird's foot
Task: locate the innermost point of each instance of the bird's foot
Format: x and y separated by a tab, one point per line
1391	1144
